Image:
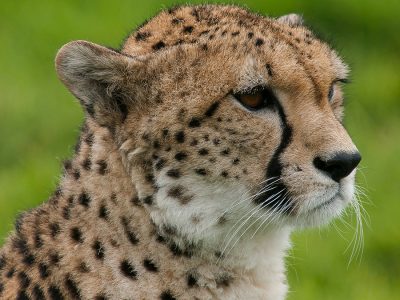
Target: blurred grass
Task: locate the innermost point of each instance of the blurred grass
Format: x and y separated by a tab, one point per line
39	123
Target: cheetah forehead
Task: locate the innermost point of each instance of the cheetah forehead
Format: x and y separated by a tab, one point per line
187	24
208	24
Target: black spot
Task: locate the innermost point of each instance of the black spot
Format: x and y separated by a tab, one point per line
176	191
224	174
100	297
89	139
160	164
180	137
150	265
1	288
76	174
201	171
176	21
169	229
223	281
102	167
236	161
22	295
135	201
150	178
24	280
129	232
165	132
10	273
83	268
2	262
203	151
159	45
180	156
103	212
175	249
269	69
191	280
72	287
21	246
167	295
67	165
204	47
145	136
84	199
212	109
37	293
216	141
188	29
225	152
86	164
43	271
55	258
235	33
54	229
55	293
194	142
19	221
156	144
128	270
194	122
160	239
204	32
148	200
142	36
259	42
98	250
250	35
174	173
76	234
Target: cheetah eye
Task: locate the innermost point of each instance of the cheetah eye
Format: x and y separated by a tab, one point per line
257	98
331	92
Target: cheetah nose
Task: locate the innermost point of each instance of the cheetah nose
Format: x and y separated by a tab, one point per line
338	166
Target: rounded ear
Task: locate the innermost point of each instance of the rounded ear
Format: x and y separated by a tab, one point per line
98	77
291	20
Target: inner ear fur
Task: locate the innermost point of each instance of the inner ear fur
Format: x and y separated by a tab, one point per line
100	78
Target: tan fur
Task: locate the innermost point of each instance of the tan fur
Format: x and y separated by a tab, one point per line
105	232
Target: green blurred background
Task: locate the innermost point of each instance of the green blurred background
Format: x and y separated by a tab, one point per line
39	123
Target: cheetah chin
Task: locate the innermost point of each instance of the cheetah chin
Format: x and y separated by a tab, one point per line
208	137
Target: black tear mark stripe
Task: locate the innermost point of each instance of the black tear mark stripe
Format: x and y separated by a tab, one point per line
274	197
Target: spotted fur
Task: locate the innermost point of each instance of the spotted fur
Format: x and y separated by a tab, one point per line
176	190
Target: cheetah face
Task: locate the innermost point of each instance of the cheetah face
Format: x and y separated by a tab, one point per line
226	121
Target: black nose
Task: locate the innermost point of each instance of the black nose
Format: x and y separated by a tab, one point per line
338	166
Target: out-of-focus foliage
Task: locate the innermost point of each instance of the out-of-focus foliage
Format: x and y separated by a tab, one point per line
39	123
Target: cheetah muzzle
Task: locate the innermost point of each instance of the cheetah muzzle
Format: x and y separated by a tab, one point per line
208	137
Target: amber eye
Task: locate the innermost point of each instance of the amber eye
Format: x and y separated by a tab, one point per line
257	98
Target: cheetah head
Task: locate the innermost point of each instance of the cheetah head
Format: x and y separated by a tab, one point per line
226	120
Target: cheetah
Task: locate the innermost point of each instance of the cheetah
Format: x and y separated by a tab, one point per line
209	137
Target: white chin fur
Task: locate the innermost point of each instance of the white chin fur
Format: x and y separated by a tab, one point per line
320	207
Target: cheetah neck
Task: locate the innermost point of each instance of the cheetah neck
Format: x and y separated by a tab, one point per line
97	230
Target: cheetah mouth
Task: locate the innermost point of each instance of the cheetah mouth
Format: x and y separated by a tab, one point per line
325	204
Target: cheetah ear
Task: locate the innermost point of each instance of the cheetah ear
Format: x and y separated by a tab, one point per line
291	20
100	78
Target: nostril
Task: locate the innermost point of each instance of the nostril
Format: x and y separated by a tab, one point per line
338	166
